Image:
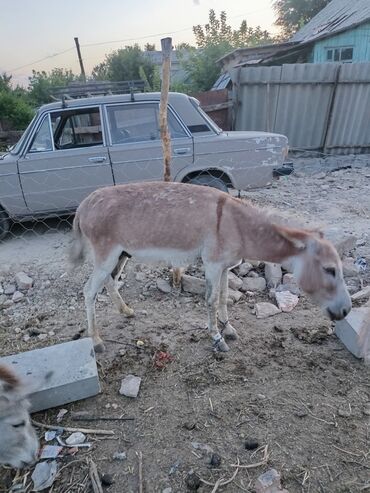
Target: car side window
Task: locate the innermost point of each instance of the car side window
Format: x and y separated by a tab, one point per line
42	140
77	128
130	123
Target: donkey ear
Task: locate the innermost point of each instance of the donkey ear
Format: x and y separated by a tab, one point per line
294	236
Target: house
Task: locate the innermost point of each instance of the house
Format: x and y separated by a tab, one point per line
178	74
340	32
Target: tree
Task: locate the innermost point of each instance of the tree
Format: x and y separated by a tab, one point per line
294	14
125	64
213	41
41	84
149	47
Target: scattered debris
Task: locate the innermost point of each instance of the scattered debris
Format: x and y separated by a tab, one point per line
264	309
361	264
76	438
192	481
50	435
107	479
203	447
286	300
269	482
44	475
312	335
94	477
130	386
61	414
161	359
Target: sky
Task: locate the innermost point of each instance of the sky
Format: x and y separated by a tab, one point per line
39	34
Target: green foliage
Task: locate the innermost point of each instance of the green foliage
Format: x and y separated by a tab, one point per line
294	14
41	84
213	41
125	64
15	112
149	47
5	82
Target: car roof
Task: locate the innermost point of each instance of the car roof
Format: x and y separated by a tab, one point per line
116	98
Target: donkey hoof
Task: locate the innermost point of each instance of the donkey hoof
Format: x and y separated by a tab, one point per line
128	312
99	347
230	335
221	346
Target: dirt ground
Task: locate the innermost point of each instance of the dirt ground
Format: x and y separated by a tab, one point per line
288	383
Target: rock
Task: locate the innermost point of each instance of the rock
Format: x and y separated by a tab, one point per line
130	386
193	285
255	263
167	490
76	438
164	286
9	289
17	296
26	338
234	281
251	444
141	277
366	409
361	295
244	268
269	482
273	274
252	273
192	481
119	456
234	296
1	289
320	176
215	460
44	475
264	310
42	337
286	300
107	479
343	243
3	300
23	281
254	284
349	267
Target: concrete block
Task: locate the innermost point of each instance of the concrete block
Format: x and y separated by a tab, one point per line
352	330
74	376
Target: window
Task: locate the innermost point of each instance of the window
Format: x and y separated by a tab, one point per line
77	128
131	123
42	140
343	54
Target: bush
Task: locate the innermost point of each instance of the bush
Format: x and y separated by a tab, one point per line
15	112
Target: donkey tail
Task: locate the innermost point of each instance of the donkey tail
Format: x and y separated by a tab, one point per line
77	249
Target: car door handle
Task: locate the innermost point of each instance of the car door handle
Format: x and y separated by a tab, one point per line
97	159
182	150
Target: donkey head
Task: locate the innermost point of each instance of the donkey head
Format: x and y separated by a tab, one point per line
318	270
19	443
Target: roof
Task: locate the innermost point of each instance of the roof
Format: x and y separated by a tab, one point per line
252	50
337	16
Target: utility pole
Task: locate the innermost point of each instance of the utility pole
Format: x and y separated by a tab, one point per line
83	75
165	135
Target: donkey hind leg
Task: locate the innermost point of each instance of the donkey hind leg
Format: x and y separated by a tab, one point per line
111	286
227	330
213	278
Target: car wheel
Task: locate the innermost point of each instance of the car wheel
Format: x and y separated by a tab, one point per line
4	223
209	181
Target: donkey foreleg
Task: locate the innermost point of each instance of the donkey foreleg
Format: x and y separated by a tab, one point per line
213	279
227	330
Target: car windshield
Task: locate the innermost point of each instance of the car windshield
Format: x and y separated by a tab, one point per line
18	145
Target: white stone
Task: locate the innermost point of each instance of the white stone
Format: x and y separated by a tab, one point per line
140	276
286	300
273	274
254	284
17	296
264	309
23	281
10	289
244	268
130	386
234	281
194	285
76	438
233	296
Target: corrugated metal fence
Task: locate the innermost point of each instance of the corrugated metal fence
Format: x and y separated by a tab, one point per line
322	107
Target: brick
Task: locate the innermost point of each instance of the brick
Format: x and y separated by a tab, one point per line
349	329
74	376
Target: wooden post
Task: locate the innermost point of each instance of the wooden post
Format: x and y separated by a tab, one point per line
166	44
83	75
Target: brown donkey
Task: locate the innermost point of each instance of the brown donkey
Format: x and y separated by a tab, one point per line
177	224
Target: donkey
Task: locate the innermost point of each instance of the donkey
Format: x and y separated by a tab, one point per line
19	444
178	223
